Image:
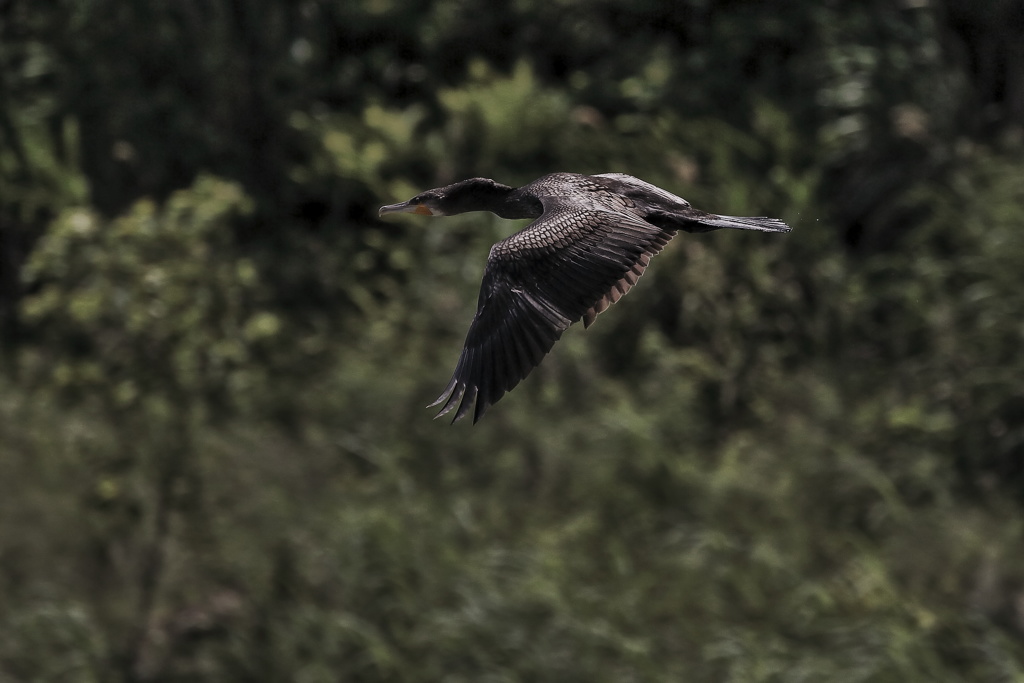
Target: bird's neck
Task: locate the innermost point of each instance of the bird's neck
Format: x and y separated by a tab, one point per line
515	204
499	199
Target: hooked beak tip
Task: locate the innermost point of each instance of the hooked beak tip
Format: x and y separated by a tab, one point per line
391	208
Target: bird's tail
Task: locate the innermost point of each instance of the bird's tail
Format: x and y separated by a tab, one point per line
709	222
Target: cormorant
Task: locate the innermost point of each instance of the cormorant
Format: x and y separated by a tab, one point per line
592	238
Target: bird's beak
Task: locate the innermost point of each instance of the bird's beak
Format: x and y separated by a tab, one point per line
407	207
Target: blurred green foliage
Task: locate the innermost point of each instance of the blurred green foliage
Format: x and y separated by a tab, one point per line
780	459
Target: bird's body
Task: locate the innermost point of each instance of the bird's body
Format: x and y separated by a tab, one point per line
591	240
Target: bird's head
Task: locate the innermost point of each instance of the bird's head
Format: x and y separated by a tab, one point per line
425	204
475	194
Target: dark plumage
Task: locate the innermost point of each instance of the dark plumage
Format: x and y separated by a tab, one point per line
592	239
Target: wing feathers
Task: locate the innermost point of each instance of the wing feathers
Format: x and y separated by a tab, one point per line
569	264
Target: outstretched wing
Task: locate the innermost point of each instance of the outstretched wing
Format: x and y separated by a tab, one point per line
662	208
630	186
570	263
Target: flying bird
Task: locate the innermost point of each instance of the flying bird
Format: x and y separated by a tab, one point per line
590	241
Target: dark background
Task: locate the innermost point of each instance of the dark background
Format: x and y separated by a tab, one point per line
781	458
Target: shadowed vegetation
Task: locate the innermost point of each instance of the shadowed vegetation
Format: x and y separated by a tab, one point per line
781	458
